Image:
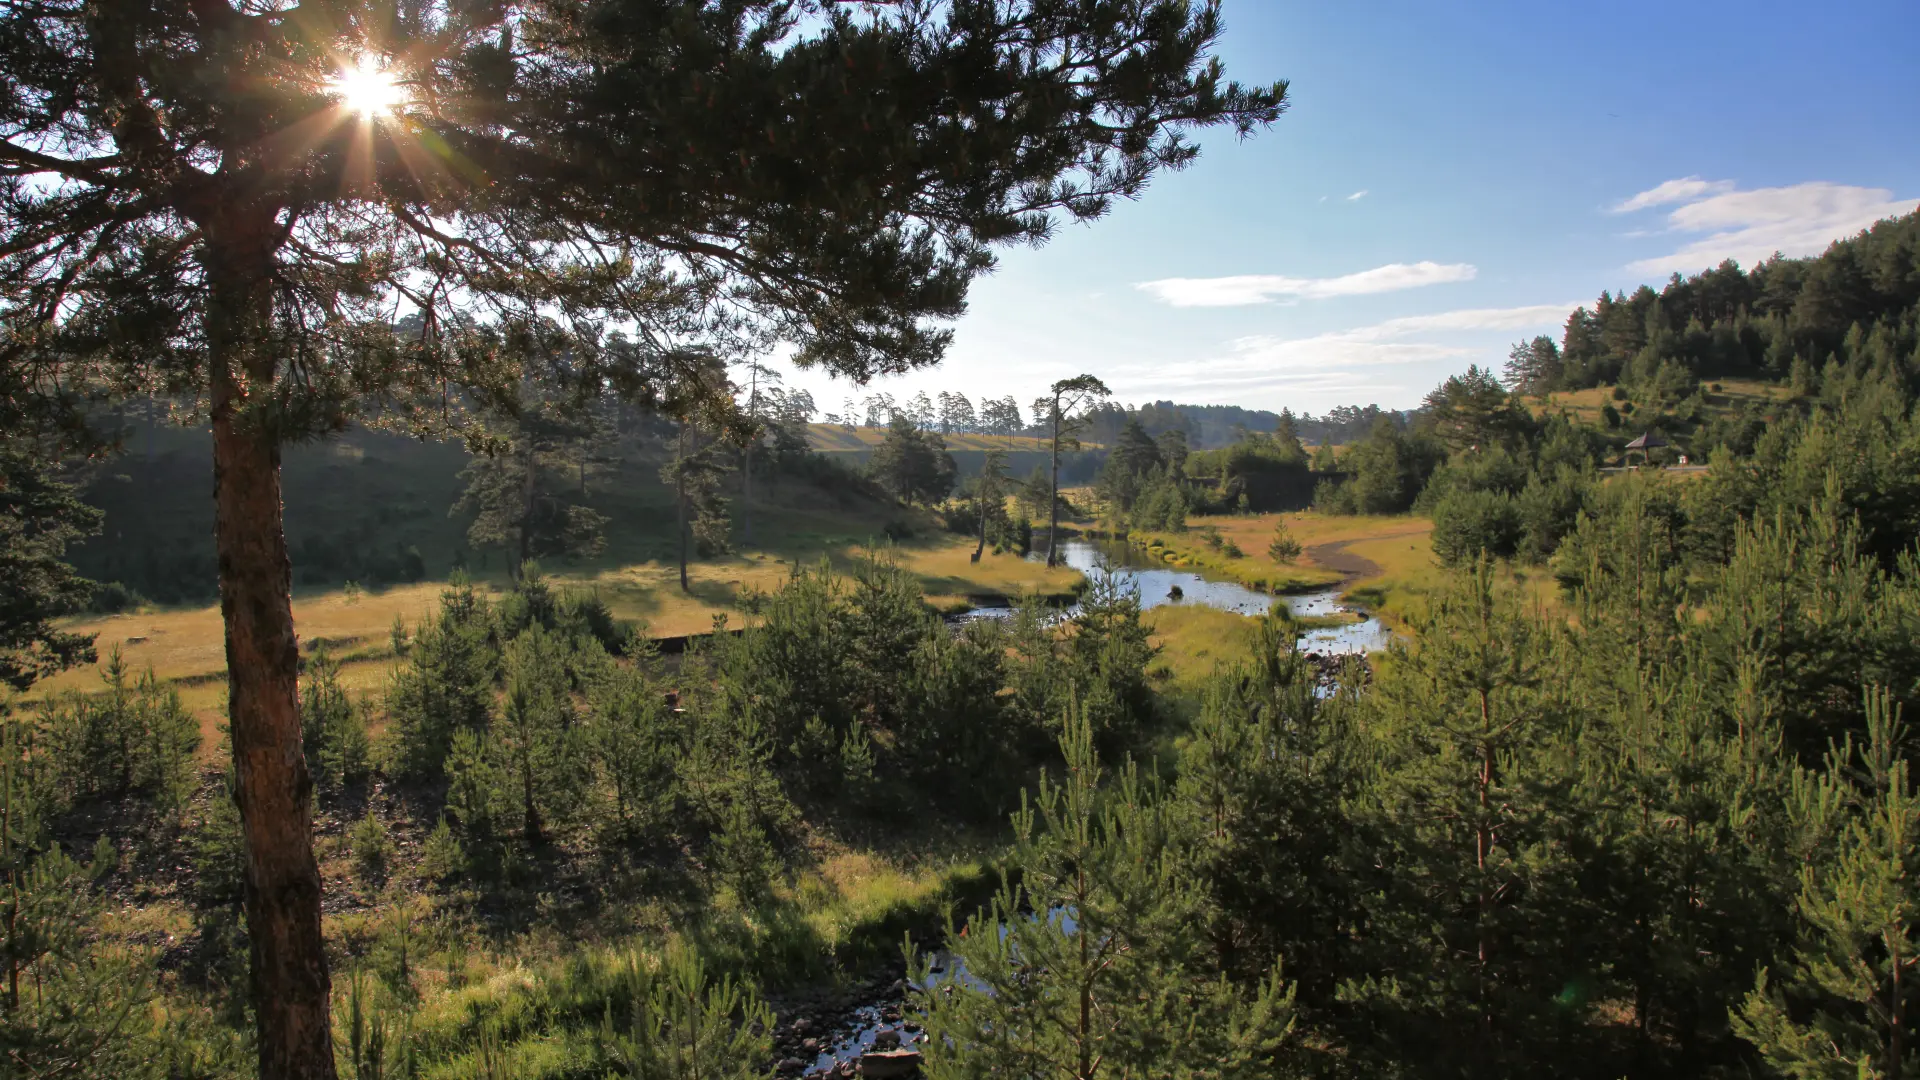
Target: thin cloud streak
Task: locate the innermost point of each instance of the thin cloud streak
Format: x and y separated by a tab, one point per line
1332	363
1249	289
1685	189
1358	195
1751	226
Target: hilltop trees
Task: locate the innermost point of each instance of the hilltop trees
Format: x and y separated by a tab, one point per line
197	209
1001	416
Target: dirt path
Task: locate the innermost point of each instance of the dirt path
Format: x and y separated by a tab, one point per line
1334	556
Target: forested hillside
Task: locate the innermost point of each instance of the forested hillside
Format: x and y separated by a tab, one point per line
1787	320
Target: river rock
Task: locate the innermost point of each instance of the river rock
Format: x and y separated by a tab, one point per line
890	1063
792	1067
886	1039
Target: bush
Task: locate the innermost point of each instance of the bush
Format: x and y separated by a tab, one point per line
1466	523
1232	550
1284	548
333	731
1619	393
112	598
372	850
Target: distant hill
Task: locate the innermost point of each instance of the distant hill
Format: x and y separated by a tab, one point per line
373	508
840	437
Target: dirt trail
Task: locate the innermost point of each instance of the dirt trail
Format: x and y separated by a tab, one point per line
1334	556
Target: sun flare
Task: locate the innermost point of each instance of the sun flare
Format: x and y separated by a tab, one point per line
368	88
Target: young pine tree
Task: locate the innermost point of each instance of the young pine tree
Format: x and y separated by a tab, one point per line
1467	922
1094	964
1847	1006
537	739
680	1024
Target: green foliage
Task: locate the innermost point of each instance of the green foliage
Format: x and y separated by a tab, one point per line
1779	319
446	685
1847	1004
39	518
372	850
333	730
69	1004
536	738
1283	548
132	737
680	1024
1388	470
1161	505
1474	411
515	491
1094	963
636	744
1108	654
1469	524
913	463
1267	783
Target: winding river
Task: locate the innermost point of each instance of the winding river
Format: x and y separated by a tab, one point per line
1157	584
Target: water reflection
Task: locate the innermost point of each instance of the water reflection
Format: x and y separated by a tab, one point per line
1157	584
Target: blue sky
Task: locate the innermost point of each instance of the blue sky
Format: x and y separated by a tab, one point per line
1451	178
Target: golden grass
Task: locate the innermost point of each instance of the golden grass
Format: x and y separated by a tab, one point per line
1408	572
187	645
1254	533
1587	405
1194	640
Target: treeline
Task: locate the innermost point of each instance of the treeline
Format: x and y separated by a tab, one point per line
1787	320
1497	479
542	481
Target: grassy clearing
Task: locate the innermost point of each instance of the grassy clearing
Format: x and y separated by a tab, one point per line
1253	533
1408	572
1586	406
1194	640
187	645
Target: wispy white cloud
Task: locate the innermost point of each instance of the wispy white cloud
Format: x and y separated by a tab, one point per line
1356	361
1750	226
1358	195
1263	288
1685	189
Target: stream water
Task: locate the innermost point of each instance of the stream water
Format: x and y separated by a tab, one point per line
1157	584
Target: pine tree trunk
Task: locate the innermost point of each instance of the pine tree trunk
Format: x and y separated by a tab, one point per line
527	493
981	547
1053	495
282	901
680	505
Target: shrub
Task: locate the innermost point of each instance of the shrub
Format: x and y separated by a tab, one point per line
372	849
1284	548
1466	523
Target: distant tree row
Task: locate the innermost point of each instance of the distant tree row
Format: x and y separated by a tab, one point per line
950	413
